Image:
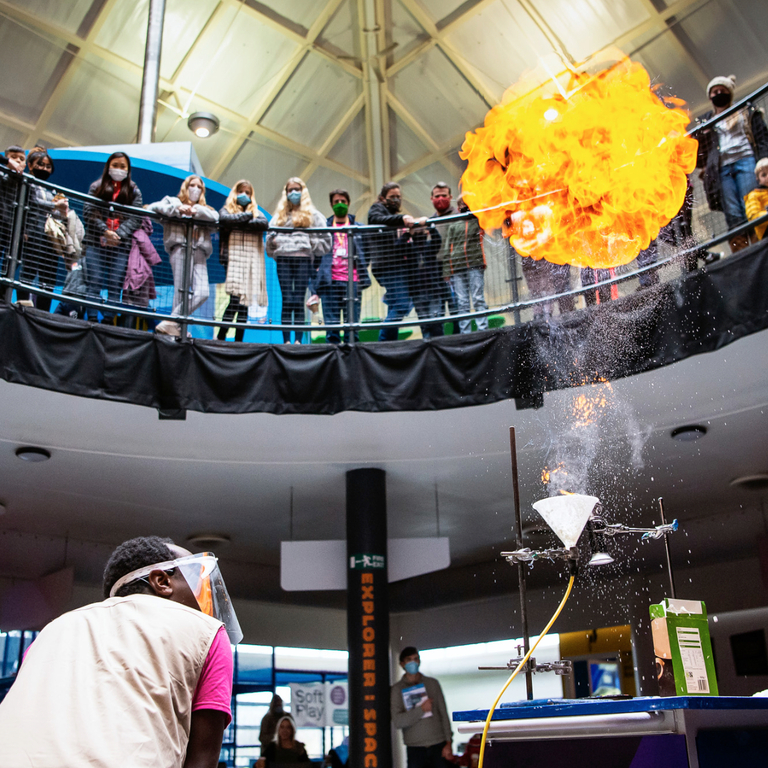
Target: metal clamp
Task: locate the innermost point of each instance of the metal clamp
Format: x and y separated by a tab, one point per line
527	555
616	529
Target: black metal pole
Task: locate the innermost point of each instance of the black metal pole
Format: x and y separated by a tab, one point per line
349	319
672	591
370	738
185	279
513	278
520	566
18	231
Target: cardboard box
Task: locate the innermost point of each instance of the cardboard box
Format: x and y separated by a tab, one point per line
684	662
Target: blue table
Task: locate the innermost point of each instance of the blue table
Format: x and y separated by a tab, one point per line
646	732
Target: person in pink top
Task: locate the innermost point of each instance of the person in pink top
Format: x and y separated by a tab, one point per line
331	280
143	678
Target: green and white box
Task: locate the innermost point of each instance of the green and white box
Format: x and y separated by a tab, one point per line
684	662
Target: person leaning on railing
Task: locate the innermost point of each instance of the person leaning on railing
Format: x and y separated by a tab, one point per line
180	212
463	261
39	259
332	279
390	252
241	252
727	154
108	233
295	252
756	202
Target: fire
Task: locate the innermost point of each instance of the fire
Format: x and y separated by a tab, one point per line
583	168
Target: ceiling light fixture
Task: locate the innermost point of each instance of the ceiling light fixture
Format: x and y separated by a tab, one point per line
203	124
688	433
208	541
757	482
33	454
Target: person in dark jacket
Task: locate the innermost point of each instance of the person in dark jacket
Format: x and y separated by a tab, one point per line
463	262
39	260
727	154
241	251
425	284
332	279
442	202
390	253
108	233
285	748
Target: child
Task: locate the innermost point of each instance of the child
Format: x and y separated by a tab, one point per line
756	202
16	158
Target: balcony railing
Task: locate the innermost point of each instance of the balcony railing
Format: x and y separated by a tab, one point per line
386	282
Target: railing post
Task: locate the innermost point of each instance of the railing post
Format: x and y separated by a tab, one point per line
18	231
512	257
186	279
349	313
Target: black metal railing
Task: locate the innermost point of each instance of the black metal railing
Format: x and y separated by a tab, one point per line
79	256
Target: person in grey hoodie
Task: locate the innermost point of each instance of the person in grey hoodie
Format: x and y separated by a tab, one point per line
190	204
295	252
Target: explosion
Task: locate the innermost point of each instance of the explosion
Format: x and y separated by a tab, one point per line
582	169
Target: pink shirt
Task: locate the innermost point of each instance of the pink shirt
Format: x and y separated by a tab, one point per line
339	265
214	688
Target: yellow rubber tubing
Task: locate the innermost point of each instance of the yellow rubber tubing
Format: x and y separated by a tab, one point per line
521	666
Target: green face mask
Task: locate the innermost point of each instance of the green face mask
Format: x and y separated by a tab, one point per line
340	209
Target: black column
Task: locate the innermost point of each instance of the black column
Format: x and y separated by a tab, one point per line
370	743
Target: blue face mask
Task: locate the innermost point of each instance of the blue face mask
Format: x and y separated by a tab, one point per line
294	197
243	200
412	667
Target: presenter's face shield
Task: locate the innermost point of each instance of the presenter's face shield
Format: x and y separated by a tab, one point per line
202	575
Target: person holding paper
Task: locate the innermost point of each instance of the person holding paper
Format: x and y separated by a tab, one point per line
418	708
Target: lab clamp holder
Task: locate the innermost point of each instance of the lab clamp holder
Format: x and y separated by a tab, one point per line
567	516
561	667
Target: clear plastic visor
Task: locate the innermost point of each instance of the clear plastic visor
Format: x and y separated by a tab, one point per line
202	574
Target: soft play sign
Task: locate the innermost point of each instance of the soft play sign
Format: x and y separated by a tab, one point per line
317	705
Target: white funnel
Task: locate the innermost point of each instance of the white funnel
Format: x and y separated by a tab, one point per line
566	515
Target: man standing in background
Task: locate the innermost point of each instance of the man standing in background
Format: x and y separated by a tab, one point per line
418	708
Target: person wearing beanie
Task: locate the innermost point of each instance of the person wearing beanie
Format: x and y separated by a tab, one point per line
728	151
756	202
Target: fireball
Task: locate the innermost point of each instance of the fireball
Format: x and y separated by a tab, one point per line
582	169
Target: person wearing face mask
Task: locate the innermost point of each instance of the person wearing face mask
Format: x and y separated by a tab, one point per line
727	154
39	259
295	252
108	232
392	254
189	204
418	709
333	274
442	202
241	251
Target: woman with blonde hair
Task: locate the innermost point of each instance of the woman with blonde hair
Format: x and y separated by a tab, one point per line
285	748
295	252
190	204
241	251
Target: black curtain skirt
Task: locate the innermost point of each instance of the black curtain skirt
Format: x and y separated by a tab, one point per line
699	312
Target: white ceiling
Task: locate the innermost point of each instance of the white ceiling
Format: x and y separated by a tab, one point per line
117	471
297	92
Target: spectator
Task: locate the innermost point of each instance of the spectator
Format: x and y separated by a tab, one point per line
108	233
333	274
9	189
296	251
391	250
67	233
425	285
16	159
146	675
442	202
546	279
589	276
190	204
241	251
425	724
39	258
756	202
463	262
269	722
727	154
285	748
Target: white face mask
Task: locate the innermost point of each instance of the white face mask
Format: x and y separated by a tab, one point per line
117	174
194	193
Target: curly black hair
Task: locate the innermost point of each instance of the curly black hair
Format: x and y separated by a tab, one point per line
130	556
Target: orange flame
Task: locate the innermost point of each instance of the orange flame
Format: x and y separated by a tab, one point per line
583	168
